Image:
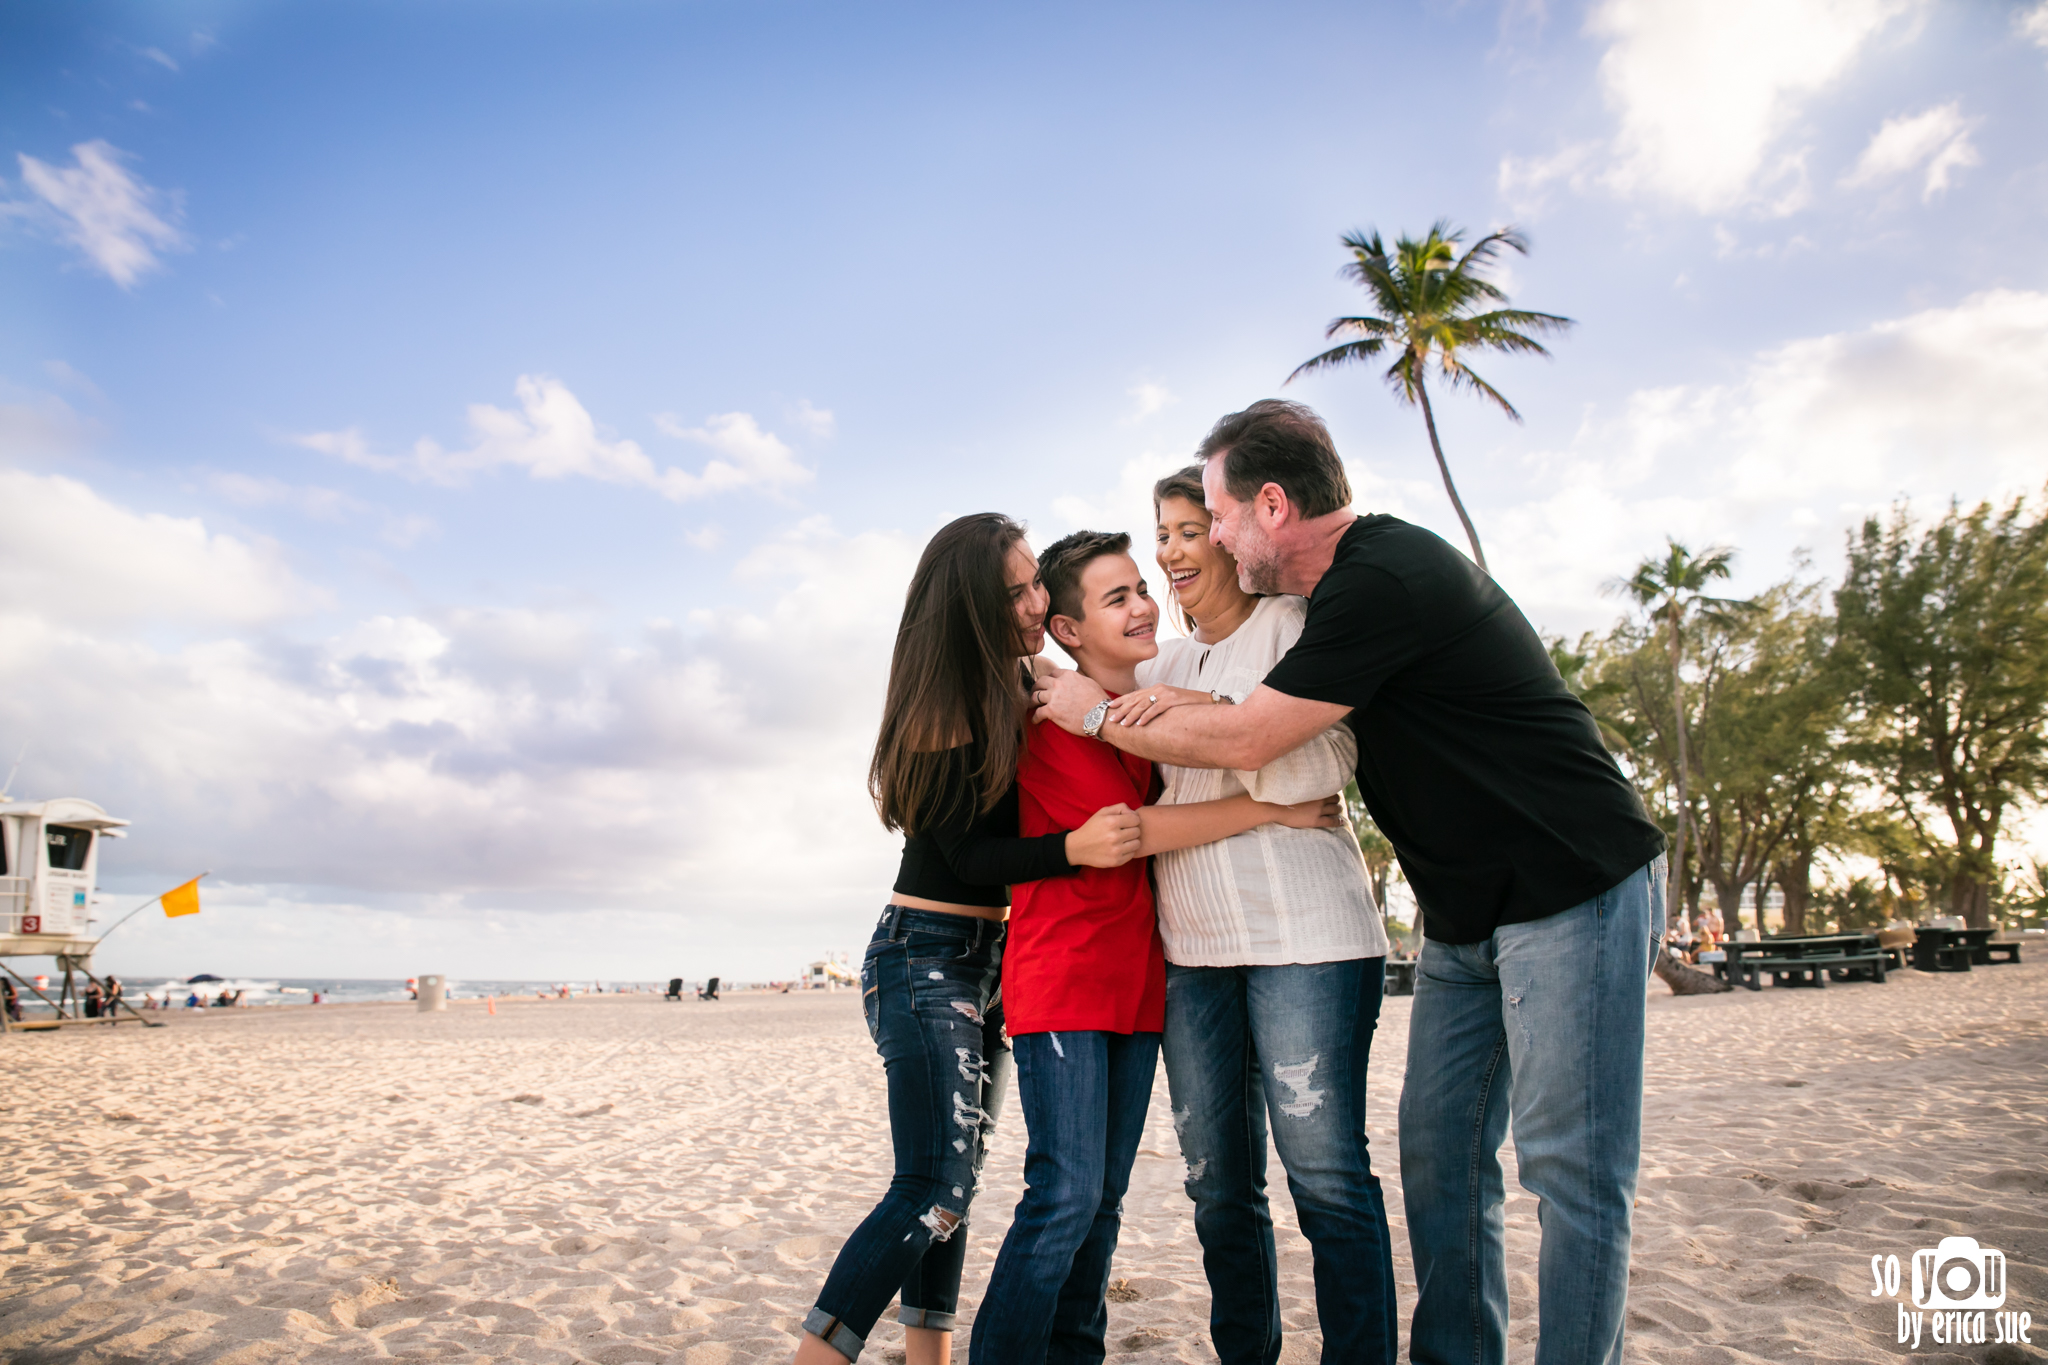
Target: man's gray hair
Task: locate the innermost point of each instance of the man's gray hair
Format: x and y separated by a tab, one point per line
1275	441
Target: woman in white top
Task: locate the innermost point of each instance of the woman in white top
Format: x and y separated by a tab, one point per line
1275	969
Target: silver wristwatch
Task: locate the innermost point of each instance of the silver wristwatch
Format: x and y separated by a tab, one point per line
1222	699
1092	726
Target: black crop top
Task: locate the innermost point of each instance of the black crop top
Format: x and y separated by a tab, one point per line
975	860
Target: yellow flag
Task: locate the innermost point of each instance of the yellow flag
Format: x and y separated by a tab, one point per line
183	901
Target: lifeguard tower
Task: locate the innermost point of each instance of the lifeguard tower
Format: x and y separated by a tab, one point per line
829	974
49	859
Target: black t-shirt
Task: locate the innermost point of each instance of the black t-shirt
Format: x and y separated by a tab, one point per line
964	858
1483	770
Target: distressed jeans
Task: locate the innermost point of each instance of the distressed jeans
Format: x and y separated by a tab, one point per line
1292	1042
929	987
1084	1097
1542	1022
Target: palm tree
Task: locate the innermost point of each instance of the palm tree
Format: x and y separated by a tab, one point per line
1430	299
1673	590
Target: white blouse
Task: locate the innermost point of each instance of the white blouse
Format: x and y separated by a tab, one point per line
1271	895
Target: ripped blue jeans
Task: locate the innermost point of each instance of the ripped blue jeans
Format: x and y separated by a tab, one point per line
930	989
1287	1046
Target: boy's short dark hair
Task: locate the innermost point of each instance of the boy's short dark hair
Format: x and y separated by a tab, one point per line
1059	568
1275	441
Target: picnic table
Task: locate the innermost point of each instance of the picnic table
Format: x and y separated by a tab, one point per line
1955	950
1802	960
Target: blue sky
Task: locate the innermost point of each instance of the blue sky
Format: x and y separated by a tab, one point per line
462	461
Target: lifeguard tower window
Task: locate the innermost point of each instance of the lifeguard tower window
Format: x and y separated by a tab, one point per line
68	847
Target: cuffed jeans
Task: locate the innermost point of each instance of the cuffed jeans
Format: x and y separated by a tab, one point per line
929	989
1084	1098
1292	1041
1543	1021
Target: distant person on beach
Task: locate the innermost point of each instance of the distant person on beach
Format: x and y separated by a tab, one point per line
94	999
1531	859
1275	968
10	1000
944	774
1084	979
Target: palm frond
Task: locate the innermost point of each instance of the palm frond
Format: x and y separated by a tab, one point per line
1462	377
1404	376
1522	319
1372	327
1503	339
1484	250
1338	355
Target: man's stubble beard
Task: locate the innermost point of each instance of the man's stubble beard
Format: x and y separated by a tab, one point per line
1258	561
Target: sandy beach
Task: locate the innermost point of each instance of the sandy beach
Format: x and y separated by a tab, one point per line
623	1179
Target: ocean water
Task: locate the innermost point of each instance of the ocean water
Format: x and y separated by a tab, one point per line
289	991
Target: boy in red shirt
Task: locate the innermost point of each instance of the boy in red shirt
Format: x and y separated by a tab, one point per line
1084	977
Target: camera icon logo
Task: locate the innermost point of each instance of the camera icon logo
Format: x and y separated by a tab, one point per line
1958	1273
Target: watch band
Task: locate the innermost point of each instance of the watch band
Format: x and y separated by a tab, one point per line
1092	726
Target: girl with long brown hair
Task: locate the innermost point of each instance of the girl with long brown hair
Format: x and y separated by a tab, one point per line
944	774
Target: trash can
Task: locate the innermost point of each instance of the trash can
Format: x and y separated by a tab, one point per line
433	993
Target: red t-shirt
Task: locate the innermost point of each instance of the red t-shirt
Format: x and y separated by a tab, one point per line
1083	951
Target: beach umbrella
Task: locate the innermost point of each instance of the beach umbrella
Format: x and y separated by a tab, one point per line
203	976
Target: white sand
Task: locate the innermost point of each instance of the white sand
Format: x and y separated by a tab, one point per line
356	1182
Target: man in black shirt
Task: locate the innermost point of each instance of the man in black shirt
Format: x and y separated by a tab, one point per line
1529	854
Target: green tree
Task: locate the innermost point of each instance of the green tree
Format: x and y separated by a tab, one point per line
1945	633
1584	679
1672	592
1434	304
1596	674
1766	751
1378	851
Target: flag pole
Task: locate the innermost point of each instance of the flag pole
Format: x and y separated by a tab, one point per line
146	904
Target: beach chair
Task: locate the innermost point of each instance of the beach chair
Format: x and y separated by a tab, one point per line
675	988
710	991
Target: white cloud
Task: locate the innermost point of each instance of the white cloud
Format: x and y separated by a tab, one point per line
553	436
159	56
752	458
1125	505
67	551
41	424
398	529
484	758
1938	400
104	210
321	504
71	379
817	421
1147	399
1816	434
1523	181
1708	94
2032	24
1939	138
